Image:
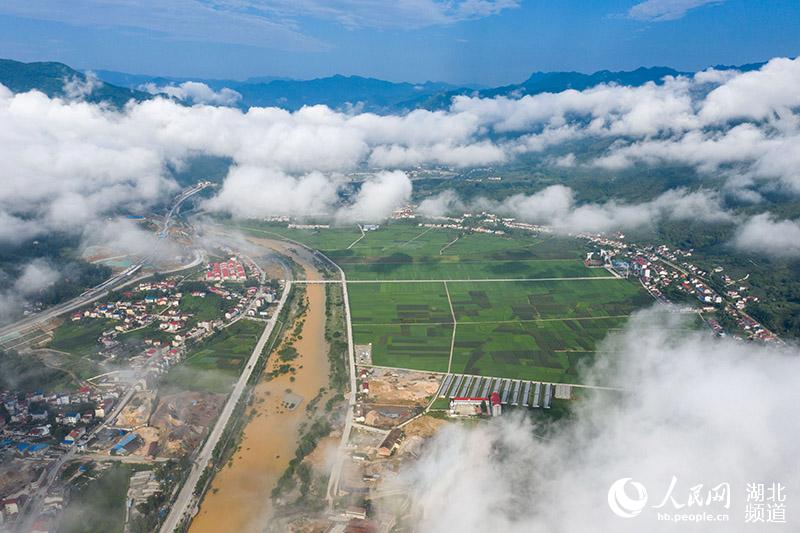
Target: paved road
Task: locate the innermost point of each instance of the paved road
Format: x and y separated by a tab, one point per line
336	471
125	277
186	500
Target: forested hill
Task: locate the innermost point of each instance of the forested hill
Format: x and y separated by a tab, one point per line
60	80
338	91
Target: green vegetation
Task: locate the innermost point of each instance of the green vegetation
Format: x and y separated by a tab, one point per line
308	441
215	365
425	347
80	338
335	335
407	251
407	303
203	308
545	329
546	351
49	78
525	301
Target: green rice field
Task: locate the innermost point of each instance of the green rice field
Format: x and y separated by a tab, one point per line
525	305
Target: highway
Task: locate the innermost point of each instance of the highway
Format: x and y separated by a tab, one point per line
125	277
186	501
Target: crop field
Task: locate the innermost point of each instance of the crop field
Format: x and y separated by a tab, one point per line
525	305
407	252
530	330
407	303
537	300
545	351
422	347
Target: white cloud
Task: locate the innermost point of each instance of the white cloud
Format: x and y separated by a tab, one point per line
78	88
556	206
444	203
69	162
688	413
35	276
378	197
253	192
664	10
196	93
764	234
757	95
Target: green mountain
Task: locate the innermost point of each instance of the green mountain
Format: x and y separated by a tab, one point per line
374	95
53	79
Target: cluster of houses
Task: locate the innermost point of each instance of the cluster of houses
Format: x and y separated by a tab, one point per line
659	267
458	225
32	418
230	270
133	313
309	226
404	213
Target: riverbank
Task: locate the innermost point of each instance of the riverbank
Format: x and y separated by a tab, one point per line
239	496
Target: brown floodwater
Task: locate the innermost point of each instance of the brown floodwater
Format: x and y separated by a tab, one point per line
239	496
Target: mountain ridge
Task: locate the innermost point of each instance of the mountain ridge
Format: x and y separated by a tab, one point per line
337	91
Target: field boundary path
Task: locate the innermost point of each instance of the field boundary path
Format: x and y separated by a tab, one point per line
455	325
358	239
448	245
509	321
464	280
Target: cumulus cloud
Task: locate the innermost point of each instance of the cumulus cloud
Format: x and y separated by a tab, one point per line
716	121
556	206
445	203
252	192
687	413
764	234
126	237
196	93
69	162
378	197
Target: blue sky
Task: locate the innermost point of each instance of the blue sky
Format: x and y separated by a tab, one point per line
460	41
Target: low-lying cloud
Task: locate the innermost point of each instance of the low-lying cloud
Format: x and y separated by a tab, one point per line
195	92
556	206
707	411
764	234
69	163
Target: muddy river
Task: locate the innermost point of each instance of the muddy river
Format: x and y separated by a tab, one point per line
239	496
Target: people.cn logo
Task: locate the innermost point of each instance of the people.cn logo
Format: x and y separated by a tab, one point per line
623	505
